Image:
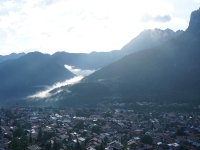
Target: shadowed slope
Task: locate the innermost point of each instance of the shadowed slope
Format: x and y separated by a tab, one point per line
25	74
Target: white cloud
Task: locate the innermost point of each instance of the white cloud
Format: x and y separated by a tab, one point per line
161	19
79	72
197	1
46	93
96	25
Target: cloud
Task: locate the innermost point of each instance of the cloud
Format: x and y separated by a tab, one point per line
79	72
197	1
47	24
50	2
70	29
99	18
3	35
161	19
46	93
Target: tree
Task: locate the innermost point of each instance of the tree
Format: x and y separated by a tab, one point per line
78	146
70	138
107	115
152	126
96	129
15	143
18	132
56	146
79	125
0	130
103	123
39	137
30	139
48	135
17	124
105	140
147	139
48	146
17	148
180	132
24	142
101	147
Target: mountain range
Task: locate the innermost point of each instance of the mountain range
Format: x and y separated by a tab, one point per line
157	65
168	72
97	60
30	73
24	74
11	56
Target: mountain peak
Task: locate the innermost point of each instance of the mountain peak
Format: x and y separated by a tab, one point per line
194	23
152	38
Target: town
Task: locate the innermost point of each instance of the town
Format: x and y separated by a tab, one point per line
104	128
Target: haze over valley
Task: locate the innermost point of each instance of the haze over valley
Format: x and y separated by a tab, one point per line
159	65
99	75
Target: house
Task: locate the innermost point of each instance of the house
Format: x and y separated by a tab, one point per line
34	147
138	131
90	148
93	143
180	139
3	146
115	145
71	144
173	145
64	137
147	146
103	135
81	140
132	145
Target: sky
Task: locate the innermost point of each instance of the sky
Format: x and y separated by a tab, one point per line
83	26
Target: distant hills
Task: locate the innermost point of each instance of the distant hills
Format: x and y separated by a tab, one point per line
157	65
150	38
91	61
97	60
168	72
28	74
11	56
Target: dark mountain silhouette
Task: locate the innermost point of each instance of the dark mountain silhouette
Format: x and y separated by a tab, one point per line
29	74
168	72
96	60
194	25
11	56
150	38
164	66
6	62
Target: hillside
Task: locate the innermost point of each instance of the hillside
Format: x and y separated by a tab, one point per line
151	38
30	73
96	60
169	72
11	56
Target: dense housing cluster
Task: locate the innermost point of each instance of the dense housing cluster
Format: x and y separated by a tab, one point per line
97	129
